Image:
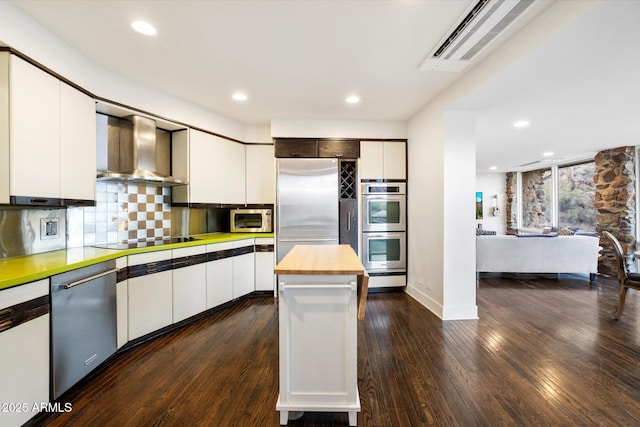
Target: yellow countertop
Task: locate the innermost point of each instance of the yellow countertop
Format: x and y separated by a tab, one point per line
19	270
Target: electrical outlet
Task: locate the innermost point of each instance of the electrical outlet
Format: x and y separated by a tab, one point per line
48	228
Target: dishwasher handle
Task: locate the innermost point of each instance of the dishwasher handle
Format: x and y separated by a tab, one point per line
88	279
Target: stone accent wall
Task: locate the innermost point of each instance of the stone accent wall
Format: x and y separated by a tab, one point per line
615	180
511	209
534	205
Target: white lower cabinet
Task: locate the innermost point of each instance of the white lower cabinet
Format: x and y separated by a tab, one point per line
231	276
264	271
24	358
150	295
189	285
219	281
265	263
243	275
122	302
155	296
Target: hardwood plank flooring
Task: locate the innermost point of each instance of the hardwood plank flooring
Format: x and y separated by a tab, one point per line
544	352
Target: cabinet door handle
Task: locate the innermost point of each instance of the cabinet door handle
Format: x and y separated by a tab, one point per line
88	279
348	221
350	287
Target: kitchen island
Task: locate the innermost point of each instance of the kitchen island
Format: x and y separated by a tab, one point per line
318	289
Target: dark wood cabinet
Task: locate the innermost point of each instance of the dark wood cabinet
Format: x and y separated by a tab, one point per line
343	148
296	147
309	148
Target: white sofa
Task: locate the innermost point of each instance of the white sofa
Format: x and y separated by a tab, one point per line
537	254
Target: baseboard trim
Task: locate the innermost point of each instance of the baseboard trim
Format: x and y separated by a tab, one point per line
465	312
460	312
425	300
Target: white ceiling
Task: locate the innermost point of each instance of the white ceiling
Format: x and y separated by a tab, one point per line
293	58
580	90
300	59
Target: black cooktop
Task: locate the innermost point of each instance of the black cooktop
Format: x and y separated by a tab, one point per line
143	243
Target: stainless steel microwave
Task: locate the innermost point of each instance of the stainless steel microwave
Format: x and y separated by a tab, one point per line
251	221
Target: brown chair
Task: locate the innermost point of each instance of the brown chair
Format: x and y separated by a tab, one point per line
628	280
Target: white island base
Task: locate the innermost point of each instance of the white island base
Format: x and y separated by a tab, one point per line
318	314
318	345
293	412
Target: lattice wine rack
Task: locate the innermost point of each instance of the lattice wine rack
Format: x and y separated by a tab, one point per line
348	179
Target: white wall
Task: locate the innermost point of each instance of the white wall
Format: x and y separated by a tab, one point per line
22	33
492	185
370	129
431	270
257	134
441	270
459	284
425	216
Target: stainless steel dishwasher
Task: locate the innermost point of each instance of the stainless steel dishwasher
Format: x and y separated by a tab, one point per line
83	322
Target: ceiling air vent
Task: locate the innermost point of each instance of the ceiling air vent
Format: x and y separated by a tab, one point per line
529	164
473	32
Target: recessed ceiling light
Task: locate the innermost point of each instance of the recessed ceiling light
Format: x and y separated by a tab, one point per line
493	168
548	153
521	124
144	28
239	96
352	99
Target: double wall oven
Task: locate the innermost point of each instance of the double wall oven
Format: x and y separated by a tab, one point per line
384	241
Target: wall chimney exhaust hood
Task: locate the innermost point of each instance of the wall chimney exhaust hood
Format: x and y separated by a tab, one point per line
133	150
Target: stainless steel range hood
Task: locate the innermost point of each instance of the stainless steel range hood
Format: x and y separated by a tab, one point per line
131	149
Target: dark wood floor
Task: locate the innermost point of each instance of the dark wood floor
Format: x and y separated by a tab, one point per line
544	352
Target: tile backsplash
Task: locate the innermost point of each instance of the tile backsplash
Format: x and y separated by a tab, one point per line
123	213
128	212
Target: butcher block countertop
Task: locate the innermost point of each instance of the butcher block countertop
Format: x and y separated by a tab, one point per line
327	260
320	259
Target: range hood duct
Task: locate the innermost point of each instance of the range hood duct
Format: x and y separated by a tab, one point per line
132	150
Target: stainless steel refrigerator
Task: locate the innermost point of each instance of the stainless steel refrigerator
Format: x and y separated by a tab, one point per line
307	208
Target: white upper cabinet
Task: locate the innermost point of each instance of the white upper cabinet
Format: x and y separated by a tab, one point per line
180	164
202	152
383	160
51	138
34	129
215	168
261	174
371	160
4	126
230	171
78	149
395	160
